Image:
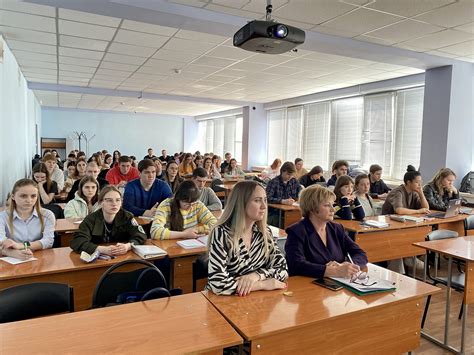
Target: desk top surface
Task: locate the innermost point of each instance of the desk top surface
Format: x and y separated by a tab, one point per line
460	248
181	324
283	207
269	312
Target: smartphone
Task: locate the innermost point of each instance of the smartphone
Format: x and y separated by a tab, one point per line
328	283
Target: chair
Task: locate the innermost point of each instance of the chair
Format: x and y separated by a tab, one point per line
200	269
468	224
116	286
457	282
35	300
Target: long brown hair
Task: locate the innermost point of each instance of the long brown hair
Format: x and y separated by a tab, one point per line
84	181
438	178
41	168
12	207
186	192
177	180
340	182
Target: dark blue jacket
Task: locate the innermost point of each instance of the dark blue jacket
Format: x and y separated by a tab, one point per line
136	200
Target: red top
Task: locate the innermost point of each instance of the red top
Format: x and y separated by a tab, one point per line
114	176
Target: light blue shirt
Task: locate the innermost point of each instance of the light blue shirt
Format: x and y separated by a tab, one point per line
29	230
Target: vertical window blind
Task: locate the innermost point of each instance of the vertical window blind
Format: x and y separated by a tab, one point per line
221	135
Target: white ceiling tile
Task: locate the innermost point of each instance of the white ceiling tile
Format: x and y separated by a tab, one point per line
408	8
148	28
79	61
179	56
69	96
464	49
268	59
28	35
387	67
41	76
178	44
124	59
199	69
102	77
140	39
83	43
35	56
25	64
403	31
131	50
231	3
236	12
118	66
113	73
31	47
439	39
79	29
214	62
357	2
229	53
74	74
311	11
200	36
76	68
234	73
282	70
196	3
458	13
32	22
80	53
21	6
87	17
468	27
252	67
361	21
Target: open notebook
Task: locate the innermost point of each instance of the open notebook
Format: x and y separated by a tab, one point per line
200	242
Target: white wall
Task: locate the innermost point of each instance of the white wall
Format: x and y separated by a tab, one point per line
130	133
19	114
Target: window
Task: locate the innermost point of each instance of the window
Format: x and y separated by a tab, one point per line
316	134
276	134
221	135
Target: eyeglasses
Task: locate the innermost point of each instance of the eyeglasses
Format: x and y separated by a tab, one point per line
112	200
362	278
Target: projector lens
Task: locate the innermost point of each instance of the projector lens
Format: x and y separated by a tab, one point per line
280	31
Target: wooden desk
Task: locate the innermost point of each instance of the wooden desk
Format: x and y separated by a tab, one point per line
176	325
463	249
317	320
397	240
61	265
288	214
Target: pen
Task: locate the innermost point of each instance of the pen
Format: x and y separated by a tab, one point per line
350	259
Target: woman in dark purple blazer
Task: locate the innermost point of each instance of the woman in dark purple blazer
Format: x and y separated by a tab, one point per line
318	247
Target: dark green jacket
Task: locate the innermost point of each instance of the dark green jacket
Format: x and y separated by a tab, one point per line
92	231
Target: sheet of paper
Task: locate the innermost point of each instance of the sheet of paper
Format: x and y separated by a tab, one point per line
14	261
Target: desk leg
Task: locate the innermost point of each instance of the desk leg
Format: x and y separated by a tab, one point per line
280	218
463	328
448	302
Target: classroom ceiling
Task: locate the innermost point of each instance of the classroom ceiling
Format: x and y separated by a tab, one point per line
113	63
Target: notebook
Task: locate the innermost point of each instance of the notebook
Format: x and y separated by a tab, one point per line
404	219
200	242
14	261
148	251
375	224
366	287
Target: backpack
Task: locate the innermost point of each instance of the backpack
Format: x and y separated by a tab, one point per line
467	183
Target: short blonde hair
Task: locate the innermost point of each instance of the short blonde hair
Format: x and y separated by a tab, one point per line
312	197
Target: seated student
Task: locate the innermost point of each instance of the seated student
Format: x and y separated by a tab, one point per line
108	160
272	171
160	175
242	254
123	173
347	205
115	160
362	187
142	196
81	166
440	190
284	188
314	176
25	227
212	172
165	157
182	216
92	169
378	188
339	168
71	176
316	246
85	199
109	224
198	161
46	187
55	173
187	166
172	177
407	198
300	171
225	164
150	154
207	196
233	170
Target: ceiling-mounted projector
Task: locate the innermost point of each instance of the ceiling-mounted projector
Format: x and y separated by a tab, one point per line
268	36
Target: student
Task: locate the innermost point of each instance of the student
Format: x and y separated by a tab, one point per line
116	156
182	216
46	187
93	170
212	172
25	227
207	196
378	188
123	173
233	170
347	205
109	224
198	161
339	168
55	173
300	171
225	164
284	188
314	176
172	177
187	166
242	254
81	166
71	176
165	157
216	162
362	187
272	171
316	246
160	175
85	199
142	196
108	160
407	198
59	162
150	154
440	190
